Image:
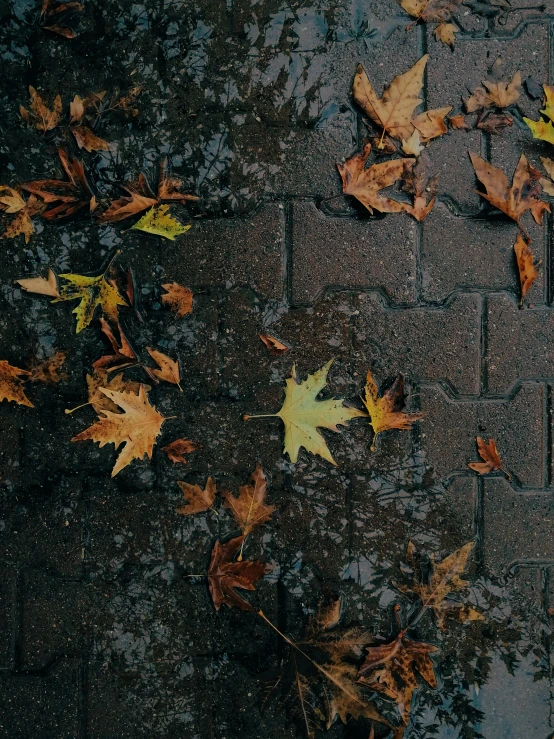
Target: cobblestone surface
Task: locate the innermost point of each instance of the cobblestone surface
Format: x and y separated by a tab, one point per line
106	625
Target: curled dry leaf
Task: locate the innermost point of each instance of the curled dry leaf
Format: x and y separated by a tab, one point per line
41	285
11	384
49	370
459	123
249	509
225	575
543	129
446	33
491	459
198	500
137	427
274	345
527	268
419	183
302	414
178	298
494	123
386	412
92	292
177	449
168	368
496	91
365	184
431	124
123	352
40	115
512	200
158	222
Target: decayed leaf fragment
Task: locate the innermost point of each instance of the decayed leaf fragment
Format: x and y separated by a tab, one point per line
137	427
168	368
446	32
365	184
434	11
92	292
548	184
198	500
55	17
41	285
274	345
302	414
459	123
178	298
11	384
250	509
431	124
496	91
490	456
543	129
40	115
177	449
516	199
159	222
386	412
12	202
88	140
527	268
49	370
225	575
123	354
422	186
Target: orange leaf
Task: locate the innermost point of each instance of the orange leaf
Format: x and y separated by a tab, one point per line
198	500
489	453
177	449
273	344
225	575
528	271
11	384
178	298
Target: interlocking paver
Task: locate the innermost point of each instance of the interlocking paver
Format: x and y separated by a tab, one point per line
8	589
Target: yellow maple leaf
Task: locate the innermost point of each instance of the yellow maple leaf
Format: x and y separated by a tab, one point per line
386	412
303	414
92	292
137	427
159	222
540	129
11	384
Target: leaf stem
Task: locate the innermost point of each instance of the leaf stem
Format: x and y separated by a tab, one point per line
246	417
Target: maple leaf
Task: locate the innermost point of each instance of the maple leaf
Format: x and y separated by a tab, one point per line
422	186
123	352
41	116
489	453
412	145
225	575
70	196
11	384
137	427
430	123
88	140
159	222
178	298
365	183
514	201
386	412
527	268
169	369
274	345
436	11
198	500
548	184
543	129
49	370
92	292
177	449
399	661
496	91
302	415
394	111
41	285
100	381
434	590
446	33
12	202
494	122
249	509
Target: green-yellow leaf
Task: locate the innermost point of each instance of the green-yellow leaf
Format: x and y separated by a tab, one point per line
303	414
541	130
92	292
159	222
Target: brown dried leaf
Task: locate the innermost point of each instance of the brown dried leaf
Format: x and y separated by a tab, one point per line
169	187
140	198
225	575
198	500
346	697
422	186
446	33
169	369
49	370
459	123
496	92
386	412
41	285
177	449
431	124
274	345
77	109
527	268
494	123
489	453
41	116
11	384
88	140
123	353
99	381
249	509
178	298
436	11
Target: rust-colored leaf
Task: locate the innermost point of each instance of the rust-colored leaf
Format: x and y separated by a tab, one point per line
178	298
387	411
491	459
496	91
40	115
11	384
250	509
459	123
88	140
225	575
274	345
49	371
198	500
431	124
434	11
527	268
419	183
494	123
168	368
177	449
123	352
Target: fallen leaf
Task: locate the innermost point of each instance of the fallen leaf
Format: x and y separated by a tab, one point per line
412	145
431	124
514	201
494	123
159	222
365	184
139	198
12	202
123	352
225	575
58	15
88	140
496	91
137	427
386	412
459	123
302	414
169	186
177	449
543	129
100	381
394	111
178	298
548	185
40	115
11	384
249	509
168	368
77	109
436	11
70	196
419	183
528	270
534	90
346	697
274	345
92	292
446	33
49	370
198	500
41	285
489	453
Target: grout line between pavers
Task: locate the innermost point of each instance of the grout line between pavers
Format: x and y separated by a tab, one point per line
479	526
548	436
483	345
287	257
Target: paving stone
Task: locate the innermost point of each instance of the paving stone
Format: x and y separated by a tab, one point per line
505	513
450	161
41	705
8	589
391	341
482	255
10	447
449	429
372	253
518	344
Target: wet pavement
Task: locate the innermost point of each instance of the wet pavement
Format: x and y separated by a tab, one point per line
107	628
